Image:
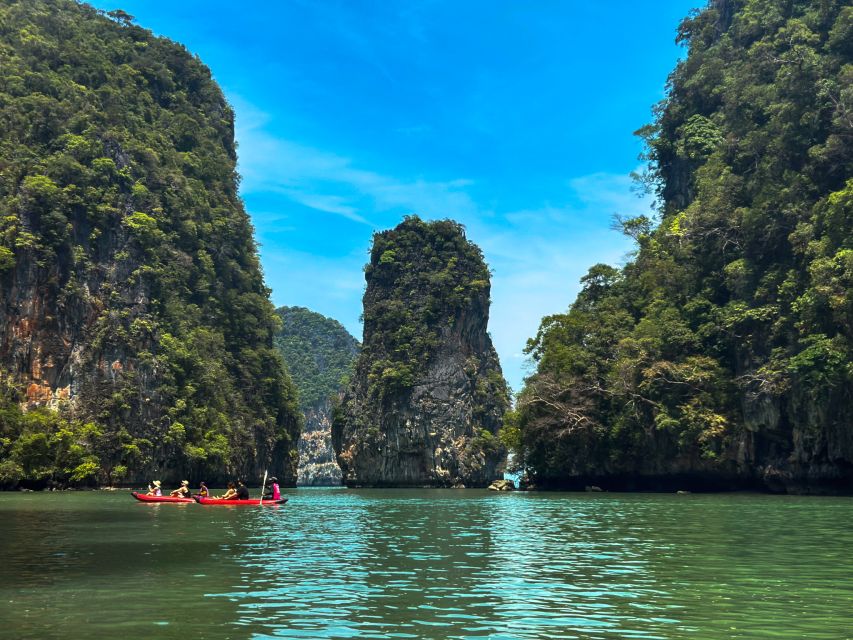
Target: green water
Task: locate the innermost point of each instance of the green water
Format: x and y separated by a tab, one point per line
337	563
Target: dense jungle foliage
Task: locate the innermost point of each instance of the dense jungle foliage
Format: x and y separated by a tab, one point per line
319	353
120	218
724	345
422	275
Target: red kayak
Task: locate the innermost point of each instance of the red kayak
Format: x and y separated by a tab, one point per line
146	498
236	503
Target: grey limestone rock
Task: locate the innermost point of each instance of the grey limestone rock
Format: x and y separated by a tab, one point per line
438	428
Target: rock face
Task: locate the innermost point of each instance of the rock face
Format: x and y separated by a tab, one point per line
317	464
320	353
427	397
131	297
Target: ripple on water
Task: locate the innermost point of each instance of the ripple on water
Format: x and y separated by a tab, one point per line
430	564
559	566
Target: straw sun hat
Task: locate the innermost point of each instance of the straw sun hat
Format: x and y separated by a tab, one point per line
157	483
186	483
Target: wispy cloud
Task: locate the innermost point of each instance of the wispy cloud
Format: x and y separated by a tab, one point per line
609	191
328	203
537	254
333	183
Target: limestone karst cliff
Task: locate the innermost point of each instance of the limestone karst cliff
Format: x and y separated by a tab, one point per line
319	353
136	333
317	464
719	356
427	397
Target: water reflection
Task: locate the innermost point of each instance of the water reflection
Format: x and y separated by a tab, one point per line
447	564
427	564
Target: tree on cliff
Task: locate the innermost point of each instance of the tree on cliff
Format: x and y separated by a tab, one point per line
427	396
723	349
131	297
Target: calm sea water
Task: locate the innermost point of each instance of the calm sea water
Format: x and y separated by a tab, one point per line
336	563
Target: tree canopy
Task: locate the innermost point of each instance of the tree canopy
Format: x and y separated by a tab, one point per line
318	351
724	345
128	269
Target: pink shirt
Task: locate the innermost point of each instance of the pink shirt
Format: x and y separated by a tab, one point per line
276	493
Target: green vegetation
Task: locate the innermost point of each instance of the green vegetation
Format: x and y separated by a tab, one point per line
725	344
318	351
422	275
427	396
40	445
121	224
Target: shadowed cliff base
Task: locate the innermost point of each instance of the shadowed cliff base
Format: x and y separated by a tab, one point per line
770	482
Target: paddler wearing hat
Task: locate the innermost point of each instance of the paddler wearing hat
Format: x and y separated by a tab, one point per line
154	489
183	491
273	492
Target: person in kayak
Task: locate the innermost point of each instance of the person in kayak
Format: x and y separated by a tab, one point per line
242	491
273	493
203	491
183	491
154	489
230	494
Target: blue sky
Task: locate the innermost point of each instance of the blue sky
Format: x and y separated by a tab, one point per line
514	118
